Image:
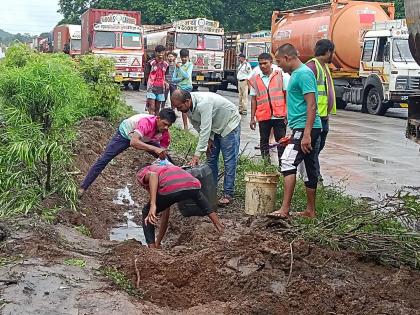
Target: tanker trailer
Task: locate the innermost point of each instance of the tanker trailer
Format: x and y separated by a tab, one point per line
412	13
370	55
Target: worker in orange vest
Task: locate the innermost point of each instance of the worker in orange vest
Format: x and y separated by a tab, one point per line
268	103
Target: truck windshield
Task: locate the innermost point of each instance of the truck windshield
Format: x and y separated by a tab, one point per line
131	40
401	51
76	44
185	40
104	40
213	42
254	50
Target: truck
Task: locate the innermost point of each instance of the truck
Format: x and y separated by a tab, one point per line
67	39
249	44
412	13
204	40
372	65
118	35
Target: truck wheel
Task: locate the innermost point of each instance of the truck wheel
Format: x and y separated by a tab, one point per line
126	85
374	103
224	85
340	103
195	88
135	85
213	88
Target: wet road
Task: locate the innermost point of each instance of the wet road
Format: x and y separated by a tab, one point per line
368	154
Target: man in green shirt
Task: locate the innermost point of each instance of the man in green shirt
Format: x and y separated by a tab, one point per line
302	115
217	121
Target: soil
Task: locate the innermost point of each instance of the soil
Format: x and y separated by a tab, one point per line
249	269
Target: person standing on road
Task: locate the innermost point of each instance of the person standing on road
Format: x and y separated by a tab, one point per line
268	104
243	74
183	77
324	51
217	121
169	184
303	119
142	132
156	84
171	58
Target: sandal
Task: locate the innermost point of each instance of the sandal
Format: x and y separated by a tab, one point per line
224	201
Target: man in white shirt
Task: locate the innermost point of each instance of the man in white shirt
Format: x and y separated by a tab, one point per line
243	74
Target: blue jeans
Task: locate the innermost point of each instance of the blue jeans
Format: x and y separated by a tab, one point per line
229	146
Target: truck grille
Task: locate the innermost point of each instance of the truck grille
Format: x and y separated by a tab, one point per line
412	83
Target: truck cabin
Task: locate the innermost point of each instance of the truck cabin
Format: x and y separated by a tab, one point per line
196	41
117	40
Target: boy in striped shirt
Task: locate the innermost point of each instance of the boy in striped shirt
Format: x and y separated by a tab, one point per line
167	185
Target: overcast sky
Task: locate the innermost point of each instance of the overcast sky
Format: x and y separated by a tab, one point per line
28	16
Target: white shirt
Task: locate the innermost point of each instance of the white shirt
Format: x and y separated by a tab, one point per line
244	71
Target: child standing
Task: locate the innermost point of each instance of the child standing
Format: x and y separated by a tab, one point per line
171	59
183	77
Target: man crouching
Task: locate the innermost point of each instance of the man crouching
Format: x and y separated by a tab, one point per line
168	184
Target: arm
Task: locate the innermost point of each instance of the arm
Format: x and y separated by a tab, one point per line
252	123
175	78
153	179
205	131
163	227
310	118
138	144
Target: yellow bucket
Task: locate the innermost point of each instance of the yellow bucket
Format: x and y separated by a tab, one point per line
260	192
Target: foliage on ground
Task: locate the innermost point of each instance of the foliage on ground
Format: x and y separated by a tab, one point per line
75	262
120	280
42	97
384	231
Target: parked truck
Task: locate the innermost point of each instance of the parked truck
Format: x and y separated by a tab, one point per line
372	64
118	35
412	13
204	40
67	39
249	44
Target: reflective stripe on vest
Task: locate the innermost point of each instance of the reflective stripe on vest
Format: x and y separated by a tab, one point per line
323	90
271	101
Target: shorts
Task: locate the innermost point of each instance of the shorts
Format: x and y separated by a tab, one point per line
157	97
163	202
293	157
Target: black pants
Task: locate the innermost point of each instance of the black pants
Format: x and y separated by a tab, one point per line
324	133
279	128
163	202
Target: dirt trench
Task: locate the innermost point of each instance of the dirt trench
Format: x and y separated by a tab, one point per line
249	269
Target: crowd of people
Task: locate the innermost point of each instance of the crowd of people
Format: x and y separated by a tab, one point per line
287	95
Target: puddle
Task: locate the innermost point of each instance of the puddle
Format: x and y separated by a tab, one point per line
130	229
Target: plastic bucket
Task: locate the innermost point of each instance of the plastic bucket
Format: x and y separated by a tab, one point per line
260	193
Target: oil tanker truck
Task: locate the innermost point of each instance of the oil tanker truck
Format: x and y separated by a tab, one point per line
372	64
412	13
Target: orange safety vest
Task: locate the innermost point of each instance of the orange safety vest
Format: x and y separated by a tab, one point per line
270	102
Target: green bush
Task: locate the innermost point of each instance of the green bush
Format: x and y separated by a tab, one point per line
18	55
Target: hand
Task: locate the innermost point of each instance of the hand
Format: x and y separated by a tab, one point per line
151	217
161	153
252	124
305	144
195	160
210	146
178	65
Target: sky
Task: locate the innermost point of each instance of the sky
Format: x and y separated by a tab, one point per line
28	16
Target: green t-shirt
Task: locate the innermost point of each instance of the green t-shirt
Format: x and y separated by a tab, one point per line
301	82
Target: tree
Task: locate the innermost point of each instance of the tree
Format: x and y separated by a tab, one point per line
73	9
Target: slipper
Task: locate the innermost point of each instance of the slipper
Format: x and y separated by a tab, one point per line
224	201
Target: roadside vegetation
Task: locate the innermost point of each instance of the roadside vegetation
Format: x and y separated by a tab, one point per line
42	97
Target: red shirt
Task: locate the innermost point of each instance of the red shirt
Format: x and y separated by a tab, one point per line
171	178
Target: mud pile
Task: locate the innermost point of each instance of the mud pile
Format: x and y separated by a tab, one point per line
250	269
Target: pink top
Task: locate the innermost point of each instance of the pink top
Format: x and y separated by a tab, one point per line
146	126
172	179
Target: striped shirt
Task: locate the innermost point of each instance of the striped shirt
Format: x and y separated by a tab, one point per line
172	179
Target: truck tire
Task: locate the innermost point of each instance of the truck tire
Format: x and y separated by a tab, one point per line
224	85
341	104
213	88
135	85
374	103
195	88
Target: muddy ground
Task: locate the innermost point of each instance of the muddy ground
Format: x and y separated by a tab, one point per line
247	270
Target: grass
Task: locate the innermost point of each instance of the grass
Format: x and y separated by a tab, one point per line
120	280
83	229
4	261
75	262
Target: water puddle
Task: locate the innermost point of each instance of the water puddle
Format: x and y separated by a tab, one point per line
130	229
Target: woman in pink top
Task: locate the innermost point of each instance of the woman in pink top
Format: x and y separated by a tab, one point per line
169	184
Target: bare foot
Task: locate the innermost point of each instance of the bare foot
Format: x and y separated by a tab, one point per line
306	214
281	214
81	192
